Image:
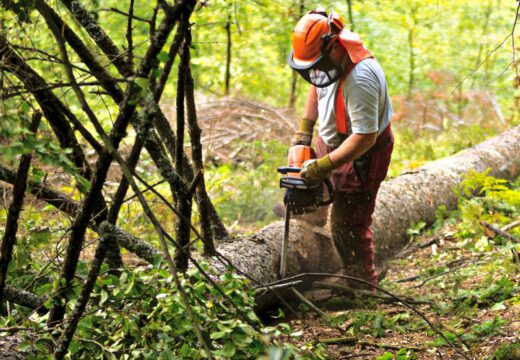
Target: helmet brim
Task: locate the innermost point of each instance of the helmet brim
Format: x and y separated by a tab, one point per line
299	64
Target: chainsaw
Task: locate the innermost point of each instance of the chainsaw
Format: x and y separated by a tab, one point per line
300	197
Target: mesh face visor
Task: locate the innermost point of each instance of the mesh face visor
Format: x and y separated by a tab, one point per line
322	72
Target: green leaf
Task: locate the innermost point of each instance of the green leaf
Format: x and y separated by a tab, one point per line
218	335
228	350
163	57
25	106
185	351
83	183
104	297
385	356
74	347
142	83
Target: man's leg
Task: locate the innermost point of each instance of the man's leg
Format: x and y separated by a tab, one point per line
351	217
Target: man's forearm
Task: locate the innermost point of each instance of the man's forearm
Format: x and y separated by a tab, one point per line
311	105
352	148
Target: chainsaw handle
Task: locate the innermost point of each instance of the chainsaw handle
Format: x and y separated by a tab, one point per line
289	169
330	190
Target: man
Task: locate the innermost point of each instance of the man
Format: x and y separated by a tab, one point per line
349	96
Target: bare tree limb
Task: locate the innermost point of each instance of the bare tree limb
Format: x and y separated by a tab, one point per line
196	148
11	225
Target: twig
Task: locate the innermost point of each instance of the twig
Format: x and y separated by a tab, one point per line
195	182
412	249
120	12
282	286
350	340
388	346
439	275
513	38
363	293
307	302
129	37
406	304
498	231
14	329
516	258
511	226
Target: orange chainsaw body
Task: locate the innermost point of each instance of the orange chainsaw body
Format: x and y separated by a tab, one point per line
298	154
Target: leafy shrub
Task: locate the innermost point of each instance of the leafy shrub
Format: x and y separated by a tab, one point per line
140	315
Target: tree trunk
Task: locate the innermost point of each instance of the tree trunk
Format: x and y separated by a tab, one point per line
407	199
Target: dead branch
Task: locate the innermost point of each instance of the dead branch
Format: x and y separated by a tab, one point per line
196	154
498	231
511	225
99	36
127	110
23	297
363	293
366	283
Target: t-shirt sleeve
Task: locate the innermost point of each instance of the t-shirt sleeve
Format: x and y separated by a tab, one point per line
362	97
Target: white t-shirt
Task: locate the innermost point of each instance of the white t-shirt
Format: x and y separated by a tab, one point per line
367	100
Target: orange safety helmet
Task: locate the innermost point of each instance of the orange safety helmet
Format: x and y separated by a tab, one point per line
308	35
313	38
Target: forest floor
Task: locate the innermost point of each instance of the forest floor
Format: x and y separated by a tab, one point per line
472	297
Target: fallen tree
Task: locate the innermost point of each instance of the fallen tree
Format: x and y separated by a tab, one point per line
407	199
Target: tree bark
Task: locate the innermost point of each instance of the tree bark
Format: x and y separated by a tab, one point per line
407	199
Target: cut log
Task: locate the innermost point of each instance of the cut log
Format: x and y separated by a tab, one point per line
402	201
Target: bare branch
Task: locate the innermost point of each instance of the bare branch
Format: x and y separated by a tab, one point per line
11	225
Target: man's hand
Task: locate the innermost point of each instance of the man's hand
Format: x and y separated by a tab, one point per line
304	134
315	171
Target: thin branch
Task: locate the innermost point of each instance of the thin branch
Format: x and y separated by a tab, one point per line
498	231
53	109
363	293
510	35
120	12
398	299
97	33
513	38
511	225
129	36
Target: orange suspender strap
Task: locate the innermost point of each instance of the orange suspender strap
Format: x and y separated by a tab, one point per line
340	106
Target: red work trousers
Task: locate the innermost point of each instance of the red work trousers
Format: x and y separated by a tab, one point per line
355	188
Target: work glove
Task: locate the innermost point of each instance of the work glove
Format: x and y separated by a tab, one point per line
304	134
314	172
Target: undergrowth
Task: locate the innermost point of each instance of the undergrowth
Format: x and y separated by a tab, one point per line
139	315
